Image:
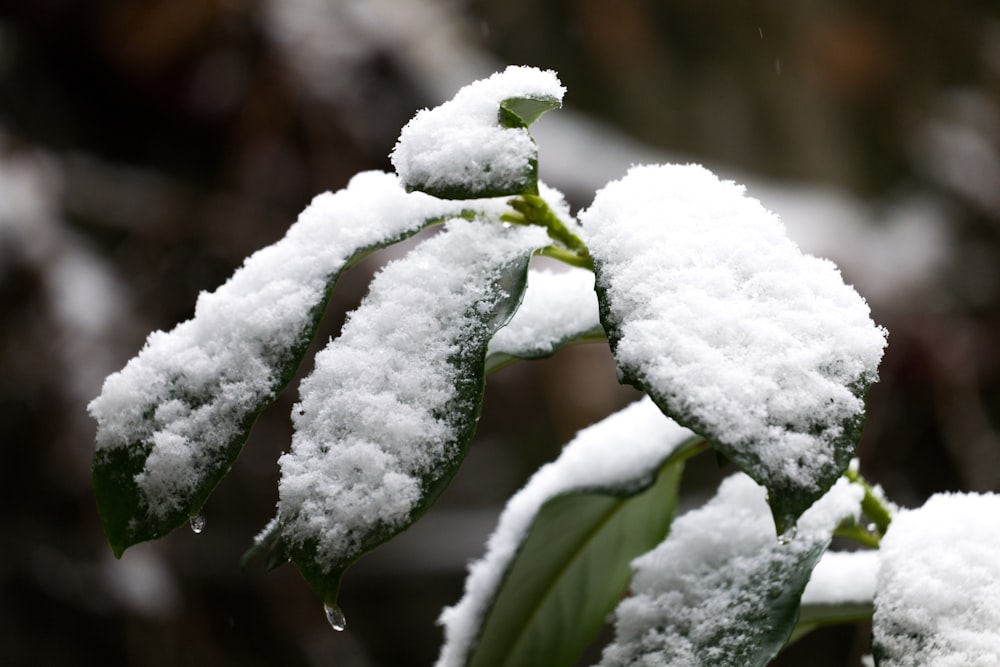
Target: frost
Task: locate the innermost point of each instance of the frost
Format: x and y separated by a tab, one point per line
558	306
736	333
718	590
190	393
594	460
937	600
383	414
461	147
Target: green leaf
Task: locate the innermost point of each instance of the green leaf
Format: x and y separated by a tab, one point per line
387	414
498	359
731	329
268	543
559	309
558	559
814	616
569	573
721	590
936	595
173	421
523	111
477	144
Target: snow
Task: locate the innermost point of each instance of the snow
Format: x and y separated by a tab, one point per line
727	322
842	577
386	406
894	252
558	306
937	600
187	394
702	597
594	460
460	145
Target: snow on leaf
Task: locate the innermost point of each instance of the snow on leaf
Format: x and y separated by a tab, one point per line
840	590
842	577
173	420
735	333
477	144
387	413
559	308
937	593
721	590
598	483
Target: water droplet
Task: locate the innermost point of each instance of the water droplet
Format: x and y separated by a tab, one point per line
506	225
198	522
336	617
787	536
871	528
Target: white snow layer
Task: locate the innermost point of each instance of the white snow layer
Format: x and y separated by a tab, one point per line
595	459
461	144
937	600
187	393
842	577
722	317
381	410
699	597
558	306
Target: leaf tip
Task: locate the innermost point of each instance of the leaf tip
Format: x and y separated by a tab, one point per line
518	112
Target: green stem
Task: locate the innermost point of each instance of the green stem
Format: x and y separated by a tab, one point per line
566	256
859	535
871	504
533	210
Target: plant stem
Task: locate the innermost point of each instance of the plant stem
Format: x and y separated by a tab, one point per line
566	256
859	535
872	504
533	210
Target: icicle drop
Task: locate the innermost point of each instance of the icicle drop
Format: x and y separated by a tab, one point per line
336	617
787	536
198	522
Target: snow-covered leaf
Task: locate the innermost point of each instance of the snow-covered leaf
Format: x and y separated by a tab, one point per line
387	414
559	309
722	590
523	111
840	590
569	573
735	333
937	593
477	144
173	420
558	560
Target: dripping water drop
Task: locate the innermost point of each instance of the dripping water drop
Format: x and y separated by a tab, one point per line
335	617
198	523
786	537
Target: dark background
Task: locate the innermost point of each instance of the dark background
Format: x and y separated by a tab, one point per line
146	147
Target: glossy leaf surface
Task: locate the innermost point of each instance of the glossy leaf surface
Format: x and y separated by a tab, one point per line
571	571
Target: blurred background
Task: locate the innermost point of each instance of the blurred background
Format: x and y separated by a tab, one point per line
146	147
